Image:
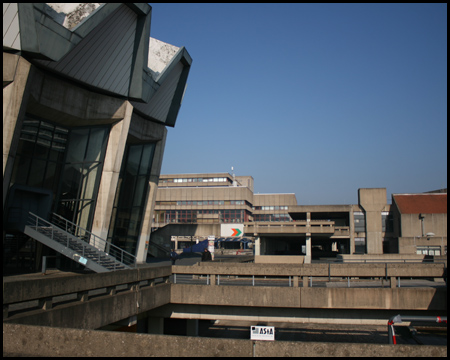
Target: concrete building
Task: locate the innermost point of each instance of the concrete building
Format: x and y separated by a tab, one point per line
190	207
87	97
420	223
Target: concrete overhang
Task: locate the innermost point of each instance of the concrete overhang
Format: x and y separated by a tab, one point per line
49	43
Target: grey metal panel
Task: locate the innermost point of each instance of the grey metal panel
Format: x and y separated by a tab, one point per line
103	59
159	105
11	29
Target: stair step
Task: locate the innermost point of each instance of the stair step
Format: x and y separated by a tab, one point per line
75	244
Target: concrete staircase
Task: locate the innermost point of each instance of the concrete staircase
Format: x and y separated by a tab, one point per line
78	244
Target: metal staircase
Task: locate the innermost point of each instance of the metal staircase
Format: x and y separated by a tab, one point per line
78	244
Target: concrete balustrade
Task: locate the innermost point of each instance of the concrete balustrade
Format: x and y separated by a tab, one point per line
129	293
28	341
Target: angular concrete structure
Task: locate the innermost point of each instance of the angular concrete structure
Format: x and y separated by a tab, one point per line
84	120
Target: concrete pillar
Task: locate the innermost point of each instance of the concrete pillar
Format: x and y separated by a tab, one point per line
308	249
308	255
158	132
373	201
16	74
257	246
110	174
192	327
155	325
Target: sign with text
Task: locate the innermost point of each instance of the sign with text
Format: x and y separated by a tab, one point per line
262	333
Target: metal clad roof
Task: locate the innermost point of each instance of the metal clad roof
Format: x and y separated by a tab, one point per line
104	57
11	29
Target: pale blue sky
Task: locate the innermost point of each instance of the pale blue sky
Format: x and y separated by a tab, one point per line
313	99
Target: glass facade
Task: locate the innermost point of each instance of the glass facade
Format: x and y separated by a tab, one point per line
82	173
130	197
68	161
202	180
40	154
190	216
272	217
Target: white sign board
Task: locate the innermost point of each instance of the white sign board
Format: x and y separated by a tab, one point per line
232	230
262	333
211	239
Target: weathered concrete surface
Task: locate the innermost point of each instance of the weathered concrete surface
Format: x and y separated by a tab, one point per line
25	340
331	298
321	270
87	313
99	311
16	290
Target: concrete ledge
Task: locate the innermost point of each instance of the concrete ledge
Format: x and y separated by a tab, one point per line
321	270
326	298
99	311
371	258
15	290
23	340
274	259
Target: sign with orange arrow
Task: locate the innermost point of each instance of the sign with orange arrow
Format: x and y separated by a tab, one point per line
231	230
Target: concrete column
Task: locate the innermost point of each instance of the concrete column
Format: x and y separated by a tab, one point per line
110	174
158	132
373	201
257	246
308	239
156	325
192	327
308	249
16	74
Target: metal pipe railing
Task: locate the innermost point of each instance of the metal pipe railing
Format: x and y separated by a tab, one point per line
84	235
399	319
99	243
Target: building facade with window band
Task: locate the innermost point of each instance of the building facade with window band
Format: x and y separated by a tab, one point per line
191	207
87	97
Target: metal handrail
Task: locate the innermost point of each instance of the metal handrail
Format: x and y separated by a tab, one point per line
89	238
399	319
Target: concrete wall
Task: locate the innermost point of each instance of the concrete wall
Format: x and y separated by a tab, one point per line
42	341
83	312
327	298
274	259
412	225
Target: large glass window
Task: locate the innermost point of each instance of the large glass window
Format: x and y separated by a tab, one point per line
360	221
67	161
82	173
130	197
40	154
